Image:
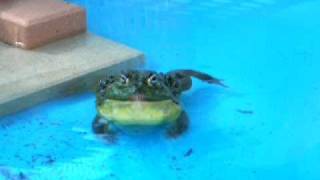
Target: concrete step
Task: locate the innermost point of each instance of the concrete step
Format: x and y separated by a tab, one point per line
62	68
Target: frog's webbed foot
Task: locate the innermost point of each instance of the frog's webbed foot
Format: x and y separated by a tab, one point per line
179	126
102	128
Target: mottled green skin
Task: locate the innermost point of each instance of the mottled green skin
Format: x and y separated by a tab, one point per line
165	86
146	86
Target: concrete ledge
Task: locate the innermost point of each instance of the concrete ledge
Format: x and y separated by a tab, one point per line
62	68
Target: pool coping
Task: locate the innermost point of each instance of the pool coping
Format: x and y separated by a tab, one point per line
63	68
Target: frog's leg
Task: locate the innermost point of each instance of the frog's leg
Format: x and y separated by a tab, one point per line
179	126
180	80
103	128
202	76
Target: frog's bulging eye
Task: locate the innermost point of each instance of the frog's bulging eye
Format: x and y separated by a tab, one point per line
102	84
152	80
124	79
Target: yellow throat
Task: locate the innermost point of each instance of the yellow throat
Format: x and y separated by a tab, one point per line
139	112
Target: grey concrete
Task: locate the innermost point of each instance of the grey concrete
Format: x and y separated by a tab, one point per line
66	67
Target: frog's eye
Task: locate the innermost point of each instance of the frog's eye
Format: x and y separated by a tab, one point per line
152	80
124	79
102	84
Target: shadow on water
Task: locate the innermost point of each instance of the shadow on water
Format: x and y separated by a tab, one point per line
208	97
202	96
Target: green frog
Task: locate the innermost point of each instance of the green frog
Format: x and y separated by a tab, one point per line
143	98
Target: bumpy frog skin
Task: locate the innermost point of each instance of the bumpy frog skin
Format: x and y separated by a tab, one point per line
144	98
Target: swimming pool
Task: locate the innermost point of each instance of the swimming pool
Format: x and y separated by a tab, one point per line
265	126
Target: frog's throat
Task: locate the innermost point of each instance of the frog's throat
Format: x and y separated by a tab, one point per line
140	112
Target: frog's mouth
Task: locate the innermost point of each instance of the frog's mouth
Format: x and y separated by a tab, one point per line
145	97
137	97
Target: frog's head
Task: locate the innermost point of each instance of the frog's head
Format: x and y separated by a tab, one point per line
135	85
150	85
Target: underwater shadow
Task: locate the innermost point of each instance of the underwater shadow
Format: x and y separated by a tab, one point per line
208	96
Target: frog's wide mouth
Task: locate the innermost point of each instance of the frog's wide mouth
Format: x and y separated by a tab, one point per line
142	97
138	97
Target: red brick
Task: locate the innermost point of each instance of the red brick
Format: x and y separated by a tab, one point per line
32	23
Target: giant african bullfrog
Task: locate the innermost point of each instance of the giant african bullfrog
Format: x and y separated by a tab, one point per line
142	98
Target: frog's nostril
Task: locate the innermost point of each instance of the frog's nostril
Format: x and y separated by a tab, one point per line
139	86
139	90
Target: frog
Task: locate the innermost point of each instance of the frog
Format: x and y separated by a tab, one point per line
144	98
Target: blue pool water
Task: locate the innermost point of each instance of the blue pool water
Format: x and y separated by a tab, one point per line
265	126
